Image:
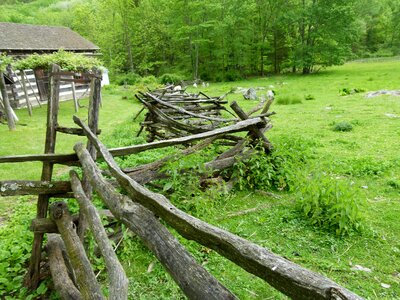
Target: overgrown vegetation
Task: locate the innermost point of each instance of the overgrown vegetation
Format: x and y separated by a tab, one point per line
66	60
331	203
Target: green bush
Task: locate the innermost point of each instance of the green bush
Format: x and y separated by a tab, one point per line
349	91
5	61
66	60
127	79
288	99
149	80
329	203
15	250
342	126
275	170
171	78
309	97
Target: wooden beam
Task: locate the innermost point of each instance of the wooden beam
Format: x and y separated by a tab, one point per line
59	271
71	159
33	276
118	282
87	283
25	187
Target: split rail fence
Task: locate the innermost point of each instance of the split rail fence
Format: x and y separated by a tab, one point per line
140	210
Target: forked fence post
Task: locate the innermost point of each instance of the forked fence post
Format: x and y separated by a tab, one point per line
93	122
33	275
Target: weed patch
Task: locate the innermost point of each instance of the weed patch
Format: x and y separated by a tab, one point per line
342	127
330	203
288	99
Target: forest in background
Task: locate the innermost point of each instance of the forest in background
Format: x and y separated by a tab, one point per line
222	39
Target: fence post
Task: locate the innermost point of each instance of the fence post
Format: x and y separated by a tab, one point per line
6	103
33	276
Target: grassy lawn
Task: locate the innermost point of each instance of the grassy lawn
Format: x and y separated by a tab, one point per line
367	157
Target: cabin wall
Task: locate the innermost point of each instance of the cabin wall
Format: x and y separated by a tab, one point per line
17	96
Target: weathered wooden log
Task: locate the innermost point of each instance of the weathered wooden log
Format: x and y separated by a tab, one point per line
73	131
151	171
191	277
23	83
30	85
118	282
184	111
93	121
87	283
33	275
6	103
255	132
286	276
72	159
46	225
59	272
26	187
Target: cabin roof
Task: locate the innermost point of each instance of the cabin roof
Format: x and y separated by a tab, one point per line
24	37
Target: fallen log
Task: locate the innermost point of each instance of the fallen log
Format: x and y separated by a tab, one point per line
191	277
26	187
59	272
286	276
72	159
118	282
87	283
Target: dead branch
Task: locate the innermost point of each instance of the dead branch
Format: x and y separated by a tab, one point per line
116	274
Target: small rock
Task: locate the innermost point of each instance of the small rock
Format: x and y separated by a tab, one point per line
361	268
250	94
365	187
385	286
392	116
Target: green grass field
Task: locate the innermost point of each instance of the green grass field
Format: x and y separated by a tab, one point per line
367	157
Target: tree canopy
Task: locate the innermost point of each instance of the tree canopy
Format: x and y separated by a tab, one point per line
223	39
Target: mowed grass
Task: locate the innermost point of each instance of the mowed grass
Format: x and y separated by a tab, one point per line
368	157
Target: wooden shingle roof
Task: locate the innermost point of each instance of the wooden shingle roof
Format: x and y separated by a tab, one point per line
30	38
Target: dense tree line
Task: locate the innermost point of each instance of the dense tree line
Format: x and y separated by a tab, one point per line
227	39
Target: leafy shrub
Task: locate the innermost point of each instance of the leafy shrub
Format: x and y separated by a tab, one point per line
15	249
5	61
288	99
393	183
170	78
329	203
233	75
149	80
342	126
275	170
127	79
350	91
309	97
366	166
66	60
